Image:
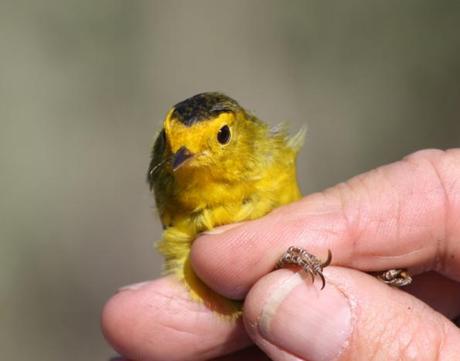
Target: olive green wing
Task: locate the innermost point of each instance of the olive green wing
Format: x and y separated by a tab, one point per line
158	177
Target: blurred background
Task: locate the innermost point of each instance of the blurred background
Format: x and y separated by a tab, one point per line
84	85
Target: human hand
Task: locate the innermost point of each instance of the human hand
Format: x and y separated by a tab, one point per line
404	215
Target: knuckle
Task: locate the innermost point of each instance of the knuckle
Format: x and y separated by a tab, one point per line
443	166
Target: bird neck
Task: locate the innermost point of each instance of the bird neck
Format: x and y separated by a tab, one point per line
204	189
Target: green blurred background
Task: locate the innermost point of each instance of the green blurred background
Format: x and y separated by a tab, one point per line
85	84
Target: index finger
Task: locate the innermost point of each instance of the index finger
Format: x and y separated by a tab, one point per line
157	320
403	215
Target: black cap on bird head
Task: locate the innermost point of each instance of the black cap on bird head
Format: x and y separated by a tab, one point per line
203	106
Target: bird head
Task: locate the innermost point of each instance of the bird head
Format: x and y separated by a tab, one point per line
207	131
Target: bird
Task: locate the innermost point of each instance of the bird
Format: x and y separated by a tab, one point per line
214	163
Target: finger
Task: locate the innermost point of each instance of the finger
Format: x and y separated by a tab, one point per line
157	321
355	317
405	214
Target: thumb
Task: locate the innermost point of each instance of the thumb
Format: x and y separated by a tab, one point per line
355	317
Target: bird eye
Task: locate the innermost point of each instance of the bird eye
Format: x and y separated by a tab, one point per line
224	135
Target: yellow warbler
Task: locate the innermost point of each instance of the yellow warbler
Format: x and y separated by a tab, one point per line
214	163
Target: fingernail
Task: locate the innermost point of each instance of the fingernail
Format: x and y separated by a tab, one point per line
221	229
308	322
133	287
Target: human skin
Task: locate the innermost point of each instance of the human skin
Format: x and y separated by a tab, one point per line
402	215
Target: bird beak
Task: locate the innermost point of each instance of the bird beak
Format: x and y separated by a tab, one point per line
180	157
